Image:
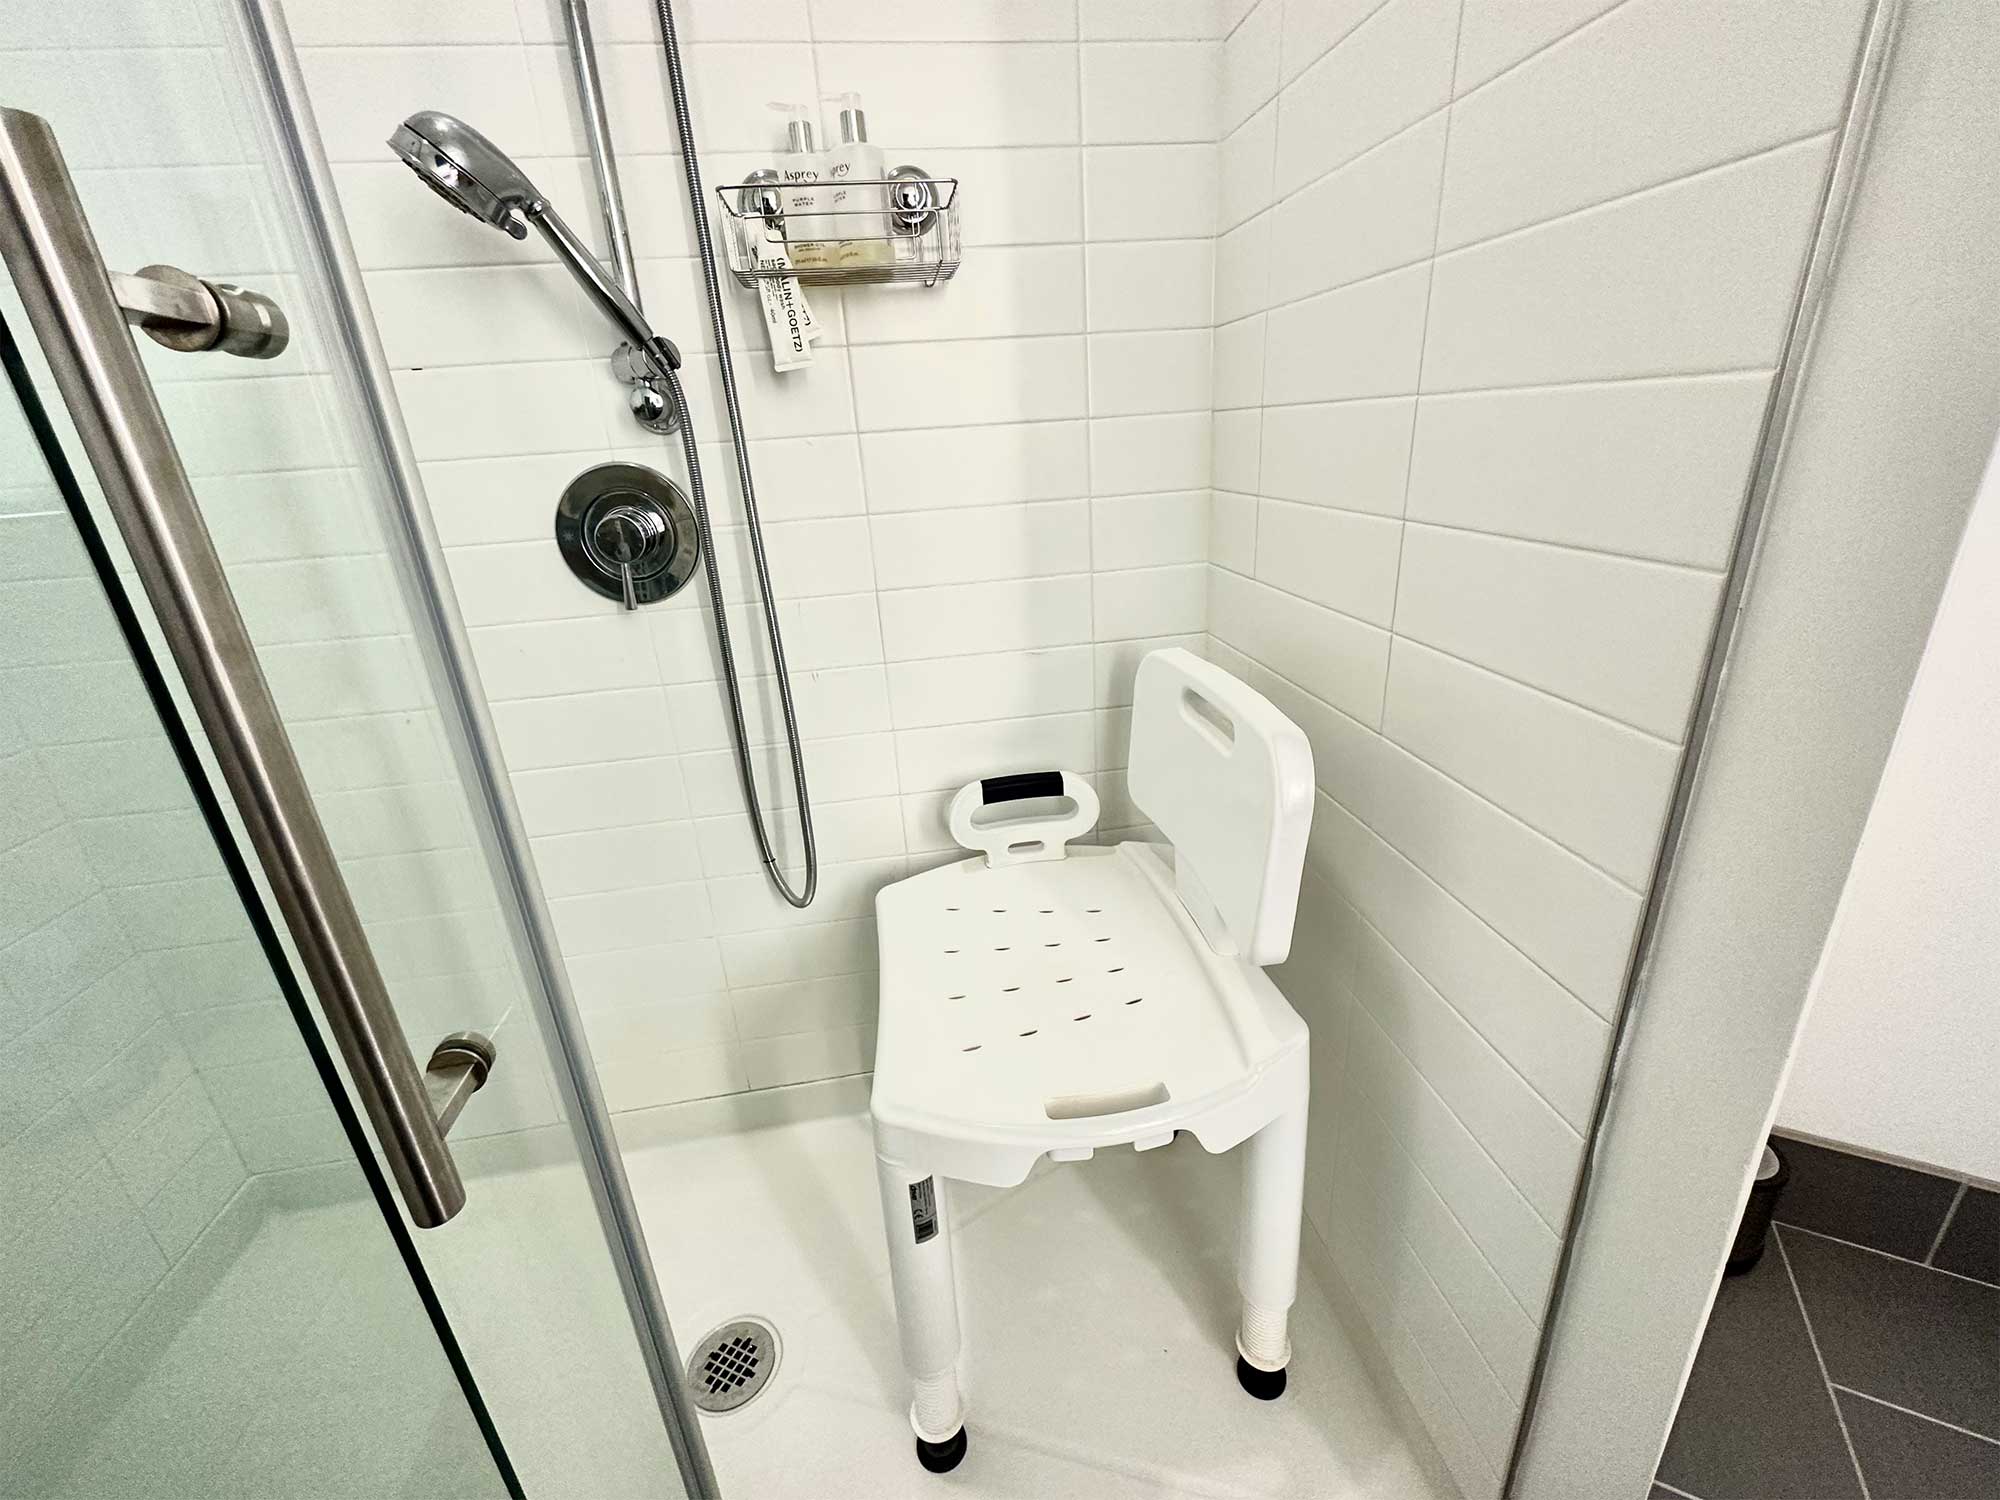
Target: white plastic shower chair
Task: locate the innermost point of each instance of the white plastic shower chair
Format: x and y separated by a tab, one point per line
1041	999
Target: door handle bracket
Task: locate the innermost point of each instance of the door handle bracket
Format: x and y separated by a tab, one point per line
192	315
457	1070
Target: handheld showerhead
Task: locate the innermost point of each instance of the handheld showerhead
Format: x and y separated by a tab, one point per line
476	177
468	171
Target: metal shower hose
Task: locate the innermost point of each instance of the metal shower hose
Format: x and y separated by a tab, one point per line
803	897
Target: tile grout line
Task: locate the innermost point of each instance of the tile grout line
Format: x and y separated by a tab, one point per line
1505	388
1217	323
1798	1297
1423	343
1396	744
1397	850
1919	1415
1409	1148
1492	1046
1659	1483
1090	414
1442	252
868	520
1361	1099
1887	1255
1944	1227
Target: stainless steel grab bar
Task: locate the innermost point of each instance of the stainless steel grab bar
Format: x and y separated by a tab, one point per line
47	244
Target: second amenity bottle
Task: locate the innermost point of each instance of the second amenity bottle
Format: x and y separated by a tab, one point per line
859	222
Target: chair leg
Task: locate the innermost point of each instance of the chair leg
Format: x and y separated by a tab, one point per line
1267	1251
920	1273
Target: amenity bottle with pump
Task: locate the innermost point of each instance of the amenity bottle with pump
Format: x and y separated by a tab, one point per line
858	227
801	170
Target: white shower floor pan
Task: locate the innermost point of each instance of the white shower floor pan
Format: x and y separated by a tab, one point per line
1099	1310
287	1358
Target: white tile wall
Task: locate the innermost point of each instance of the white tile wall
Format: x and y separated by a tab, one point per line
973	496
1483	425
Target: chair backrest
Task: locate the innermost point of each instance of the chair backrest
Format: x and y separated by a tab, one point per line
1229	780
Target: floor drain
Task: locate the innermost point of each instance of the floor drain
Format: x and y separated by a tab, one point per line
732	1364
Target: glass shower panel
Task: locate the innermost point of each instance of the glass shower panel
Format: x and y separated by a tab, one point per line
174	1322
284	469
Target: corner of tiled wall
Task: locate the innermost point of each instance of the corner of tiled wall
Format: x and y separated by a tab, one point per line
1496	311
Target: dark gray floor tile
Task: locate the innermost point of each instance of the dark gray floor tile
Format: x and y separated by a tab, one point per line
1906	1458
1869	1202
1757	1422
1971	1246
1660	1492
1903	1332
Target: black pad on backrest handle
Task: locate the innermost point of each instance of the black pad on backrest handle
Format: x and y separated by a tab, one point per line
1020	786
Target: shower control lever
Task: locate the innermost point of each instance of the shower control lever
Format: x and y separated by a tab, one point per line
627	533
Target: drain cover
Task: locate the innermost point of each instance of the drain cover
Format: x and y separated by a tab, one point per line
731	1364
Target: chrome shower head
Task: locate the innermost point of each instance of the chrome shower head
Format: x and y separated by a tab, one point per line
476	177
468	171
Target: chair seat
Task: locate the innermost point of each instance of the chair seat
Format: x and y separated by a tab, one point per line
1064	1005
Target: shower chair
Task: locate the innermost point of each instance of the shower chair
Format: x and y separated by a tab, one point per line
1045	998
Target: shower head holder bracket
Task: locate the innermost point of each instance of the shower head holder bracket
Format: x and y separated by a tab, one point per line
650	398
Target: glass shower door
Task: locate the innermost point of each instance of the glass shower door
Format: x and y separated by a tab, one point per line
543	1285
173	1322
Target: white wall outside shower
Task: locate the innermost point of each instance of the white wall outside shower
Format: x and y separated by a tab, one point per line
1901	1033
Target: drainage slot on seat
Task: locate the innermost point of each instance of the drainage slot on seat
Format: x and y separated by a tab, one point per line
1084	1106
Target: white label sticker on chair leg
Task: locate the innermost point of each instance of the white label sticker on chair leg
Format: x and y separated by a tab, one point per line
923	1209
